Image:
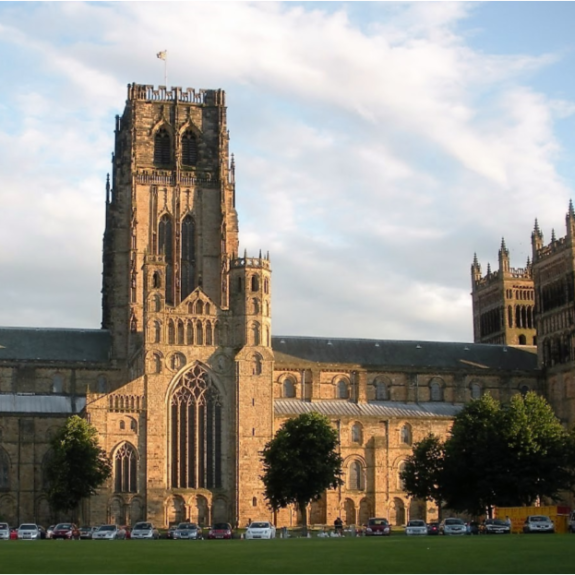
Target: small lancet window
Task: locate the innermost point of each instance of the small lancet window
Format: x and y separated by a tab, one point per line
162	147
189	149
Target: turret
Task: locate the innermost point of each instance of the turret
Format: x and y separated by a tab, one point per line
536	240
250	300
570	221
503	258
475	270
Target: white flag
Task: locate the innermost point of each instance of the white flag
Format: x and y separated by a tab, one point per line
162	55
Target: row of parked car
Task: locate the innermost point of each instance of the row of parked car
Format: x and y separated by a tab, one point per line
456	526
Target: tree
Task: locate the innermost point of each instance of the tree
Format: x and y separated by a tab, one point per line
422	474
77	465
301	462
495	455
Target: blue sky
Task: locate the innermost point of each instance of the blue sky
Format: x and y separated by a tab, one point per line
378	146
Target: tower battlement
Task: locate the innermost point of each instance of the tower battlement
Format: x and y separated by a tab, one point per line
246	262
176	94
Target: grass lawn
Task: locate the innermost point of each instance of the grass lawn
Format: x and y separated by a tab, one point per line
396	554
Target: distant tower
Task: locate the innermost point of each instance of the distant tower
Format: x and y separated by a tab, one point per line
503	303
554	277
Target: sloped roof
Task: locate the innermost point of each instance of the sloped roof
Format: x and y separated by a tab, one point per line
56	404
381	409
404	354
45	344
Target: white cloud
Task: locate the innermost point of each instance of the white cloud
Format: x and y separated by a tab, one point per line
372	162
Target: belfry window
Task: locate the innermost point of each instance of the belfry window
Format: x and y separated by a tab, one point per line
125	469
196	432
162	147
189	149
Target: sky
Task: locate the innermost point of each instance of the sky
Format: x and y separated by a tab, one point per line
378	146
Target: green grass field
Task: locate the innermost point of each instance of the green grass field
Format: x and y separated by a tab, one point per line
396	554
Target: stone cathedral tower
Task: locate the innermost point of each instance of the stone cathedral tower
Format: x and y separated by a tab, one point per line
190	320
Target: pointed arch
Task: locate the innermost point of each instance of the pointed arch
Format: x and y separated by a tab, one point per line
166	247
188	268
195	415
162	147
189	148
355	478
125	469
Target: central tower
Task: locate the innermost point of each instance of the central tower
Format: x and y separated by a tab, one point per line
170	202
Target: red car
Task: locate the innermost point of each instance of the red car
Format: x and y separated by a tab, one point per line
220	531
378	526
65	531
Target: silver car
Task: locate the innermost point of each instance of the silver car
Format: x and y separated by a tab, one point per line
416	527
187	531
538	524
4	531
109	532
452	526
29	531
144	530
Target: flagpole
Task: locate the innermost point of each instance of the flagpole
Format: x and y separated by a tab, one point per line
163	55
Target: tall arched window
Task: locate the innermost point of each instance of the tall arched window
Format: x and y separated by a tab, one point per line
125	469
166	247
255	283
190	333
357	433
355	476
180	332
188	281
162	147
4	471
171	332
157	306
256	335
405	434
475	390
435	391
342	389
209	333
196	432
57	383
288	387
381	389
157	332
256	364
189	149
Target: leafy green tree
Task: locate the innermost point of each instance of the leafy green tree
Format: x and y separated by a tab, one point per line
495	455
301	462
423	471
77	465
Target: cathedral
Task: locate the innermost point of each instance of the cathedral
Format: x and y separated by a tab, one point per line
185	382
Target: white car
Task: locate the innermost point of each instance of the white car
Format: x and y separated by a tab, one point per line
29	531
416	527
4	531
109	532
453	526
260	530
144	530
538	524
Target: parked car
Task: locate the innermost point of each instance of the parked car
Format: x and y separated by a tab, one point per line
416	527
433	528
109	532
378	526
220	531
65	531
187	531
571	523
495	527
85	532
4	531
144	530
452	526
29	531
538	524
260	530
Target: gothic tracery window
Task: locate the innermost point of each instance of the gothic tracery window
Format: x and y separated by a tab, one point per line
196	431
355	476
125	469
189	149
162	147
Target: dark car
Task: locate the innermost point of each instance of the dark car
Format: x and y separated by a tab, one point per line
65	531
495	527
433	528
378	526
220	531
